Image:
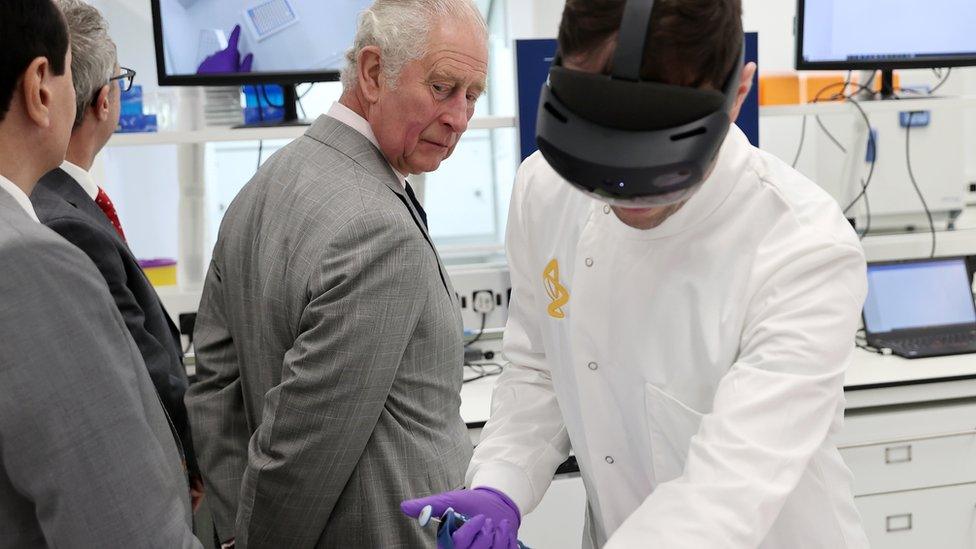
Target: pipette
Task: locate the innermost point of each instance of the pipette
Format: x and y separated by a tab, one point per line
450	522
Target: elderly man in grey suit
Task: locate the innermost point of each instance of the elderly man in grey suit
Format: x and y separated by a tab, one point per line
86	454
329	343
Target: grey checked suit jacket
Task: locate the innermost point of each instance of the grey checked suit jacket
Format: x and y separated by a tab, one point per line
329	354
86	454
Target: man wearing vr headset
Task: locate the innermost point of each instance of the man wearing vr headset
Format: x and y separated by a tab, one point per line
685	322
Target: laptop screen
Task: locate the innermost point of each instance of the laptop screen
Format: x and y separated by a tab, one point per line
918	294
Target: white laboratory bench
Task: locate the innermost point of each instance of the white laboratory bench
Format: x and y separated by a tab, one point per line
909	438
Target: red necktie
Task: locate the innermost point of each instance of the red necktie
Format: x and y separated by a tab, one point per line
105	203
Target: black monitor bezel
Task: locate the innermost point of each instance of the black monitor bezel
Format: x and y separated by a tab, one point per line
800	64
241	79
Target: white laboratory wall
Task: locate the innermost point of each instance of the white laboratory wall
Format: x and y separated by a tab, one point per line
147	200
458	198
535	18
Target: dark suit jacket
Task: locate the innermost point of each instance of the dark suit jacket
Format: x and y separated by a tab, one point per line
62	204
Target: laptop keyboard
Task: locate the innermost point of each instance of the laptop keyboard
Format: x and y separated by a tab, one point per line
957	340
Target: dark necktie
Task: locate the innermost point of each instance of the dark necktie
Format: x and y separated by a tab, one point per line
416	204
105	204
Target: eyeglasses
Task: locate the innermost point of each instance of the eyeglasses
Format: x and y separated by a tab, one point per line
126	78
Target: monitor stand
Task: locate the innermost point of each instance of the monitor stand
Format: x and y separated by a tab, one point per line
291	111
888	84
888	88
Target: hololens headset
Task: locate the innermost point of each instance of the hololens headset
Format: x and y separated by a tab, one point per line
626	141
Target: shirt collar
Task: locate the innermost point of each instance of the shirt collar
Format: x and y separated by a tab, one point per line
348	117
19	196
83	178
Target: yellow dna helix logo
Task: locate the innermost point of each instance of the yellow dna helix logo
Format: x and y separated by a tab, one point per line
558	294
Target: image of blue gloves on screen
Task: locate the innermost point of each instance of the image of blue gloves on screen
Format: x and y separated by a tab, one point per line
491	519
227	60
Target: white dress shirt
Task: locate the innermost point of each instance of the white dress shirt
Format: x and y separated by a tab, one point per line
83	177
696	369
346	115
19	197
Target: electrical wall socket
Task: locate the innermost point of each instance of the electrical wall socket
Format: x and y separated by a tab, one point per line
482	290
483	302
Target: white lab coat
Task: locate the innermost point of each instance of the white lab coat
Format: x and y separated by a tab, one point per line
698	367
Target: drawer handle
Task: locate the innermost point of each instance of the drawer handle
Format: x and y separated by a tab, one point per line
898	454
899	523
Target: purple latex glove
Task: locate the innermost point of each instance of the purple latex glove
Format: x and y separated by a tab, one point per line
227	60
493	523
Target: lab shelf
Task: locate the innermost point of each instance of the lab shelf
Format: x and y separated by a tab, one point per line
900	105
911	245
212	135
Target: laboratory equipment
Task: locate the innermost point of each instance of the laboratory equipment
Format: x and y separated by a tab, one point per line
921	308
132	118
269	18
448	523
938	163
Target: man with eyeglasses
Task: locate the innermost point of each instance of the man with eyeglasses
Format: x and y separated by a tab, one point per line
69	201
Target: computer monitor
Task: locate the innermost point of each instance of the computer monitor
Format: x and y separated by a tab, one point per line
238	42
917	294
885	35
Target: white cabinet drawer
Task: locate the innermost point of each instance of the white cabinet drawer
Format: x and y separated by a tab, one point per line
933	518
911	464
915	421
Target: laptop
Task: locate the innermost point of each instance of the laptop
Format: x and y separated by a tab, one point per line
921	308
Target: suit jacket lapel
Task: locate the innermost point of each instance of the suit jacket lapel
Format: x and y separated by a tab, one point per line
71	191
353	144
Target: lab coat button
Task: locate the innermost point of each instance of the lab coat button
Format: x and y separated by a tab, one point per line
593	366
610	460
589	262
606	209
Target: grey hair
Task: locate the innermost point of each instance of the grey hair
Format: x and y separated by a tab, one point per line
399	29
93	53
